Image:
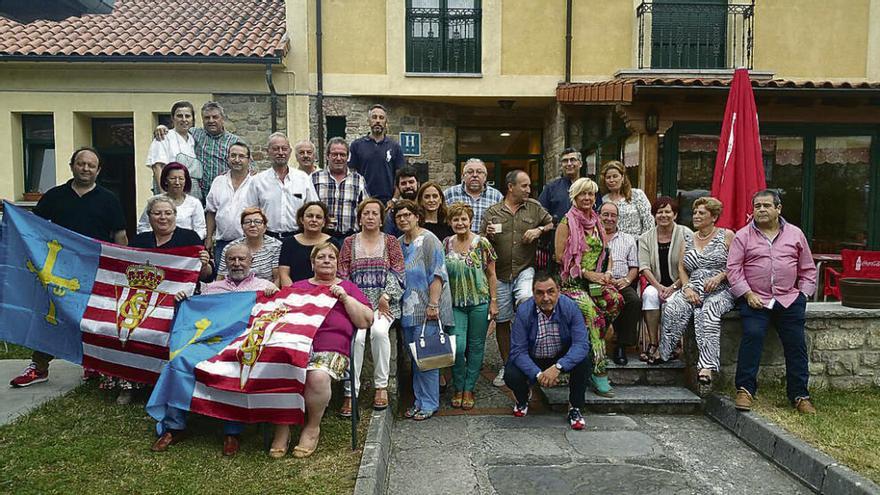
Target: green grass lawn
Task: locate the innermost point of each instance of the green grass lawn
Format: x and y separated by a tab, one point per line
84	443
845	428
12	351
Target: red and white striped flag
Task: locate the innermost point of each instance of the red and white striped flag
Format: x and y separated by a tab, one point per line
260	376
127	321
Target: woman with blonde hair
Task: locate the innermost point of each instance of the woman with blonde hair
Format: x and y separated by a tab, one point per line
705	292
634	209
581	249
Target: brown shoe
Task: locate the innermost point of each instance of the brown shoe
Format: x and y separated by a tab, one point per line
804	406
743	400
345	410
167	439
380	400
468	401
230	445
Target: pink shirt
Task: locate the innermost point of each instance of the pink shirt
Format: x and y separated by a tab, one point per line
250	283
774	270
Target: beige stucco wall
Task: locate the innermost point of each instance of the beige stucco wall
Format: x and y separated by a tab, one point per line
533	38
813	39
602	39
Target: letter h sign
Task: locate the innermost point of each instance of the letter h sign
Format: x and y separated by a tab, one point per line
411	143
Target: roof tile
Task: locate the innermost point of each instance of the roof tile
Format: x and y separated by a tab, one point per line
200	28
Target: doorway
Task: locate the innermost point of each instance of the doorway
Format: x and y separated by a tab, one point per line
114	140
503	150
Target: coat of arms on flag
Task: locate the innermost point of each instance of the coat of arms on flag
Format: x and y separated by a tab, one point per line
105	306
244	359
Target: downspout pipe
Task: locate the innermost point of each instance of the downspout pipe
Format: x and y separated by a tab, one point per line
273	98
319	98
568	14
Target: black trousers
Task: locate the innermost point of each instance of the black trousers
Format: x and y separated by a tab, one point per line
519	383
626	325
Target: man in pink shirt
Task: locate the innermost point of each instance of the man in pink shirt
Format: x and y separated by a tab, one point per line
770	268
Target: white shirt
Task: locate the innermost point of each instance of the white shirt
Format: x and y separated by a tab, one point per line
227	204
624	253
166	151
280	200
190	215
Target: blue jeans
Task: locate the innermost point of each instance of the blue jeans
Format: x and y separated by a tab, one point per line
789	324
426	384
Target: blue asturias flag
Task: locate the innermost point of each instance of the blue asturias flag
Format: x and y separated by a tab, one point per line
203	326
46	275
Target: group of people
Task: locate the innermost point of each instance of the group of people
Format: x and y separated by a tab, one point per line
399	253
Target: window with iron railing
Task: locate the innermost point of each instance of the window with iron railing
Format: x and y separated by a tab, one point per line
695	34
443	36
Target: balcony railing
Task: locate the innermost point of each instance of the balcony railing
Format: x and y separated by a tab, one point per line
696	34
443	40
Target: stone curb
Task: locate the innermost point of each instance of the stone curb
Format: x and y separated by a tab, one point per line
373	470
820	472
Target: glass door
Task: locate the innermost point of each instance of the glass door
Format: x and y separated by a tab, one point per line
114	140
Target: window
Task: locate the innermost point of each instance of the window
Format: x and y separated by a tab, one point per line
39	152
443	36
336	126
843	166
688	35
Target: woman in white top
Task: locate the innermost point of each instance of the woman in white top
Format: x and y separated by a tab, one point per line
178	146
177	184
634	209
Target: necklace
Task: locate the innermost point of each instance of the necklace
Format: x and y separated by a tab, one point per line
700	237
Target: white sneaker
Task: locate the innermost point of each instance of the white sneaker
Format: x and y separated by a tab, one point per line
499	380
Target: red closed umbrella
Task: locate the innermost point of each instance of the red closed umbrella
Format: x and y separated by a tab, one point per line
739	166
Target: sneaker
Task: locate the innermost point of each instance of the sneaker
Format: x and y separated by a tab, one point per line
804	406
521	410
30	376
743	400
575	419
499	380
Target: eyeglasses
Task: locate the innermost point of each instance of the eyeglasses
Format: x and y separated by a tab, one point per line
253	222
402	215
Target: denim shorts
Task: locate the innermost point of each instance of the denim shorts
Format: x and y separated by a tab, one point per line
512	293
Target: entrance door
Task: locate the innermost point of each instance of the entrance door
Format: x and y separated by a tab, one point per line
503	150
114	140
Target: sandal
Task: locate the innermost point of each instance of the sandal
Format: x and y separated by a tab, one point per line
411	412
705	378
648	354
345	410
467	401
456	400
423	415
380	400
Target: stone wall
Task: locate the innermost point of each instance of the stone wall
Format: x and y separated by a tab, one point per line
249	116
435	121
843	345
554	141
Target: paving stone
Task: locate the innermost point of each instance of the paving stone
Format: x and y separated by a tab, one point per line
14	402
429	471
525	447
612	444
591	478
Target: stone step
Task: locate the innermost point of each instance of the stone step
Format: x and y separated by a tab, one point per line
634	399
640	373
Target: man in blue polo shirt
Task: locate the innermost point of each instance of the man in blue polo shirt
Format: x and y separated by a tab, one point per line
376	156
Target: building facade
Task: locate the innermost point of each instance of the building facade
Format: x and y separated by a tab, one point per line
514	83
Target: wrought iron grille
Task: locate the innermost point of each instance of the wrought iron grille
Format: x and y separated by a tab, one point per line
696	34
440	40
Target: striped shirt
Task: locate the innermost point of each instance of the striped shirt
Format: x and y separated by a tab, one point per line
624	254
341	198
548	343
265	260
488	197
212	151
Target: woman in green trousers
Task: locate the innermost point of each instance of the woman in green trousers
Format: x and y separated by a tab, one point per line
470	262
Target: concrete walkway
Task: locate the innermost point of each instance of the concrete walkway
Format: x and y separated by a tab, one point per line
540	454
14	402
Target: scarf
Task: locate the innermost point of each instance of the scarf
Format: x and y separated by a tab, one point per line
579	223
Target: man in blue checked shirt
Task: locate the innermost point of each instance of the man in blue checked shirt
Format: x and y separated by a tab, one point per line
473	191
548	337
341	189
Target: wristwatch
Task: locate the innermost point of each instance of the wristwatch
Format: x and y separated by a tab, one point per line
558	366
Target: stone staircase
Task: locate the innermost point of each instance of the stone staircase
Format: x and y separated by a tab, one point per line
639	389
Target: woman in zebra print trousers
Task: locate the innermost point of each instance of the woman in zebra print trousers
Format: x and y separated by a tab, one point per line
705	293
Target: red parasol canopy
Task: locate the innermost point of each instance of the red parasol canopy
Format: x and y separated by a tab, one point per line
739	167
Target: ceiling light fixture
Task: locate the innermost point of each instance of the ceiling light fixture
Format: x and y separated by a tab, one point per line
505	134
